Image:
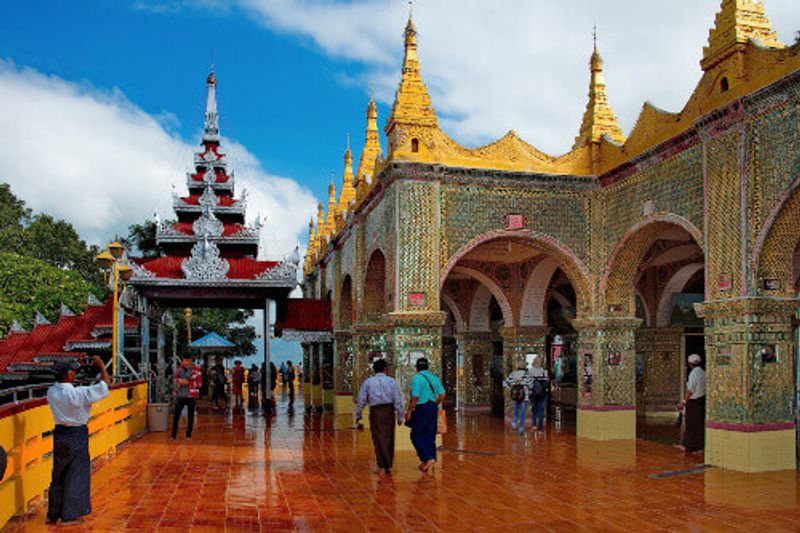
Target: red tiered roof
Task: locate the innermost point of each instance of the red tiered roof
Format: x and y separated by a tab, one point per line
221	176
229	229
224	201
304	314
169	266
51	339
211	147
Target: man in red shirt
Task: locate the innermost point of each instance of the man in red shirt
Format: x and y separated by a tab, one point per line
238	381
188	379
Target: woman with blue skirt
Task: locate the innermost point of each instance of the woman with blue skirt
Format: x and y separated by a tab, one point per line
427	393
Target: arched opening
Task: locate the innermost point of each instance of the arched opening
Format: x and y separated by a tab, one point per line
724	85
346	304
657	275
517	297
375	286
414	145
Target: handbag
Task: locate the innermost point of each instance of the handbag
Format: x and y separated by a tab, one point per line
441	415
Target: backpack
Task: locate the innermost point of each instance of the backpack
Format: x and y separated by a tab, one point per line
539	388
518	392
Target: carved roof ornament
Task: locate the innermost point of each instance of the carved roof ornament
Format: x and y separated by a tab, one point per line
65	310
208	198
210	175
208	225
737	22
285	270
205	264
139	272
40	320
370	153
91	299
348	192
16	327
211	133
598	119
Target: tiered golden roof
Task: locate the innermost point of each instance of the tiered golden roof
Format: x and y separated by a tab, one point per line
598	119
737	22
733	66
348	192
370	153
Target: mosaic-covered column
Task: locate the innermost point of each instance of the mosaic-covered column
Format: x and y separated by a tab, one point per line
416	335
307	350
606	378
316	377
659	370
343	373
326	371
750	352
520	341
477	349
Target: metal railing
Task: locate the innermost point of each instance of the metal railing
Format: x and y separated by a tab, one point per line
39	390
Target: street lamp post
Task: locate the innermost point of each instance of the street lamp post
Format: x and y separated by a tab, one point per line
114	264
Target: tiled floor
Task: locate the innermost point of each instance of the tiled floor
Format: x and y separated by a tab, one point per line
298	472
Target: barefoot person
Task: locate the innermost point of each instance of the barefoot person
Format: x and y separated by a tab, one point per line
188	380
382	394
695	405
69	496
427	393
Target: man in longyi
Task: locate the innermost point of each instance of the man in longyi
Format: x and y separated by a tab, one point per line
69	496
382	394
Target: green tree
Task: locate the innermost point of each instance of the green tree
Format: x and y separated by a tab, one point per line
13	217
28	285
142	239
57	243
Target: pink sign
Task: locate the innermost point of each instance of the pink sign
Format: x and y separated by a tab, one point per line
416	299
515	221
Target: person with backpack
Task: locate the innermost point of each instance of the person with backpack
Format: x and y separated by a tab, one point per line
540	386
518	383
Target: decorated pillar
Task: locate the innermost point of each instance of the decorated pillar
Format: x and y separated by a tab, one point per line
474	379
416	335
343	386
326	378
659	378
606	378
316	376
518	342
750	352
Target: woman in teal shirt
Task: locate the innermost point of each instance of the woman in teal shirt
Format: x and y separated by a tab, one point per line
427	393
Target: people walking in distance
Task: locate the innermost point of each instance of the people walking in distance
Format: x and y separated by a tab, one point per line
427	393
187	388
290	375
382	394
220	382
70	491
519	383
238	381
539	389
253	384
283	374
695	404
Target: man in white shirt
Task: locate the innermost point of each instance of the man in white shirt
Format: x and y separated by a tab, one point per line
69	496
695	404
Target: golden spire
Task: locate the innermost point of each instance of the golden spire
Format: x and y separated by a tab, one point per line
412	104
599	118
330	218
348	193
737	22
370	153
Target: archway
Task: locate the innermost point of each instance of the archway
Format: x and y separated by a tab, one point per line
346	304
657	274
507	289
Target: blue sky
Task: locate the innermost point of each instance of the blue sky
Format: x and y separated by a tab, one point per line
281	96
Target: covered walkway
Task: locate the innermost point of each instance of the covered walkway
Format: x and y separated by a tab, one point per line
300	473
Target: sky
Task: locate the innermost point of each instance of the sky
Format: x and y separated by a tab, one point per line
101	101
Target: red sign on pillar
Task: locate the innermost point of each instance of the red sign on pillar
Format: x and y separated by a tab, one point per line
416	299
515	221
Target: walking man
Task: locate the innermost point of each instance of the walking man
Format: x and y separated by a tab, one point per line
70	491
382	394
187	388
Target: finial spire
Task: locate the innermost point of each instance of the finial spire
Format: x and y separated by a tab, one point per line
211	133
594	37
598	119
737	22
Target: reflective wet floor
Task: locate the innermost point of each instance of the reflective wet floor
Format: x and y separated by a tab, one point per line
299	472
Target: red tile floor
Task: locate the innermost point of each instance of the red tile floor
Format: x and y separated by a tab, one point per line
299	473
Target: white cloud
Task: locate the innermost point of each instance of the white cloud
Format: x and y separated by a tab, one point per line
98	161
520	64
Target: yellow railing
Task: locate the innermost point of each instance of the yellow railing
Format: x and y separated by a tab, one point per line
26	434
